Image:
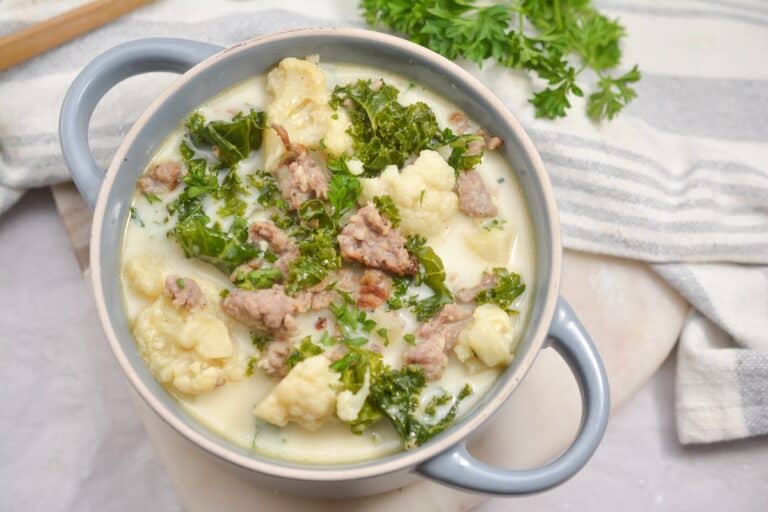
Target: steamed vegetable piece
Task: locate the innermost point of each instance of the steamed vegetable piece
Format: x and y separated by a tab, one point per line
233	140
538	36
223	250
431	273
383	130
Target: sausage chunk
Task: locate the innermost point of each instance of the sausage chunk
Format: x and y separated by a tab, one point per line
184	292
369	239
161	178
262	310
474	198
278	242
302	179
436	338
272	358
375	288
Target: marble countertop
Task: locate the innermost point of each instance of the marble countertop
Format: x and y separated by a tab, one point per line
51	412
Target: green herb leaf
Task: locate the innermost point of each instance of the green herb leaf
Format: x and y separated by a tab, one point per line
233	140
387	209
533	35
210	244
509	286
303	351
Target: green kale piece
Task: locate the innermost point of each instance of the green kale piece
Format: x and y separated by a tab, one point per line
509	286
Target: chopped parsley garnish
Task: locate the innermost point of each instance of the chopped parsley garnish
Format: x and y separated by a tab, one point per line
151	198
252	361
494	224
409	338
535	36
509	286
343	189
135	216
180	282
388	209
303	351
437	401
259	278
259	340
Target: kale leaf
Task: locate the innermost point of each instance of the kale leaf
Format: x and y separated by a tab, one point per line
387	209
233	140
383	130
305	350
509	286
212	245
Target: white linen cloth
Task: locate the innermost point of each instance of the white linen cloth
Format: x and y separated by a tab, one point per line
680	179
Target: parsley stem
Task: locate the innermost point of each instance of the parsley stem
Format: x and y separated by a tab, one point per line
558	16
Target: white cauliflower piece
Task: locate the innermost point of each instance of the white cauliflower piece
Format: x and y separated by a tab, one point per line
299	103
422	191
489	336
306	396
144	273
494	246
191	352
348	404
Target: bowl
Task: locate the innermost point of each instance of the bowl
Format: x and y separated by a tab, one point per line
205	71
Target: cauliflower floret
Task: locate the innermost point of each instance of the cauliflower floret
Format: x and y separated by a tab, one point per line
144	274
494	246
306	396
299	103
488	336
422	191
348	404
191	352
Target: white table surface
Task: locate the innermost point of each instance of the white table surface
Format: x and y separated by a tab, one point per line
54	406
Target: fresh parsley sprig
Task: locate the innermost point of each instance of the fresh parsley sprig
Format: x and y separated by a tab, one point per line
557	40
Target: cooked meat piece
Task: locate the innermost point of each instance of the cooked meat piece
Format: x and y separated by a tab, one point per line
263	310
272	358
490	142
437	337
184	292
301	179
430	355
266	231
308	300
375	287
474	198
460	123
487	282
286	258
161	178
370	239
336	352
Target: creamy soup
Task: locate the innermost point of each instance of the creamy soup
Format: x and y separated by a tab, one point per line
328	263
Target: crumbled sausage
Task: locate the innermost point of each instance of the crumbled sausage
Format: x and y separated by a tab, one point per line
184	292
489	141
474	198
487	282
272	358
160	178
301	179
265	231
263	310
436	338
369	239
459	122
277	240
375	288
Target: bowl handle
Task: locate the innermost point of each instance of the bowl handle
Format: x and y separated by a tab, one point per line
98	77
458	468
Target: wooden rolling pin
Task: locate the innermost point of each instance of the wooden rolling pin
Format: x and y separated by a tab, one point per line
41	37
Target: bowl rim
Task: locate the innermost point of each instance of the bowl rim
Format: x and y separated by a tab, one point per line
375	467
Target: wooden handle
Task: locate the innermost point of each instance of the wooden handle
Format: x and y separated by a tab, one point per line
41	37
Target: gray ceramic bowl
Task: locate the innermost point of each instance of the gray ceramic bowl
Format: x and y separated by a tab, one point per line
208	69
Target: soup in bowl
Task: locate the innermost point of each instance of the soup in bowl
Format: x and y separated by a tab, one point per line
324	272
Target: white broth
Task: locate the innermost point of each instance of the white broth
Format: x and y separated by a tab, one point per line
149	254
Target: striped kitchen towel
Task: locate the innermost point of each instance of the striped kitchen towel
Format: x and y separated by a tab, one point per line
679	180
